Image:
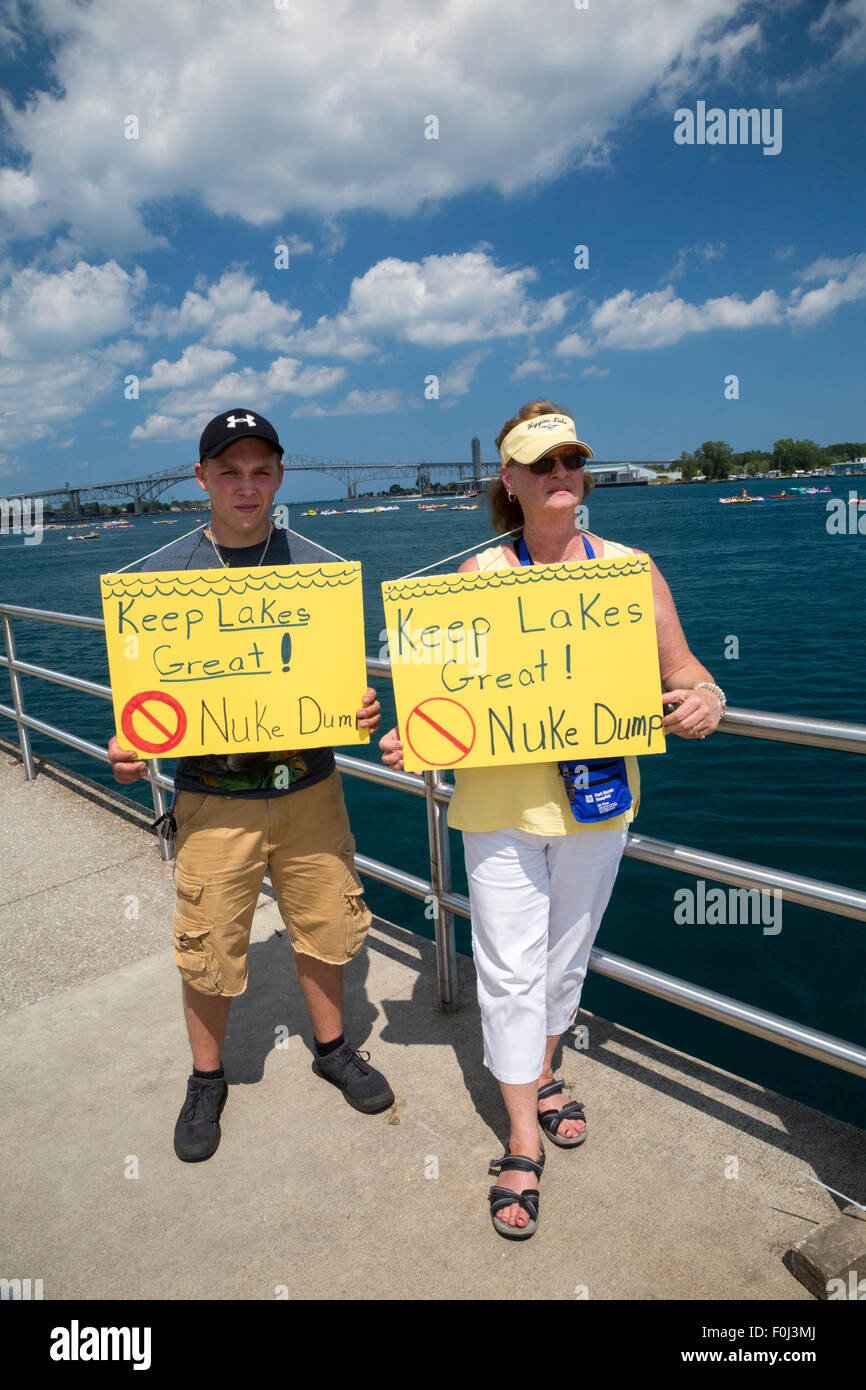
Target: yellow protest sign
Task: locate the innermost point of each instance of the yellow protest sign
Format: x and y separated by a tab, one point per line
538	664
236	660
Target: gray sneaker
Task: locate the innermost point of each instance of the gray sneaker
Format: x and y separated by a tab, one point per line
197	1132
364	1088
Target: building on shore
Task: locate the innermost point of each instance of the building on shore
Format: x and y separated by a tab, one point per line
621	474
847	468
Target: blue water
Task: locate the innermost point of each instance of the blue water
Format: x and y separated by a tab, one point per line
772	577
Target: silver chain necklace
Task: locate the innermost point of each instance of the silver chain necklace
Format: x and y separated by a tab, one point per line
258	561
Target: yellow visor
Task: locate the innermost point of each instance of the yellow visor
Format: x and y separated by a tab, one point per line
531	439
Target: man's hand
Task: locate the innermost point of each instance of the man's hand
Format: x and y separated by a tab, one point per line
368	716
125	764
392	749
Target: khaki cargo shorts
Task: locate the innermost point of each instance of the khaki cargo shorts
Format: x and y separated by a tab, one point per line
224	845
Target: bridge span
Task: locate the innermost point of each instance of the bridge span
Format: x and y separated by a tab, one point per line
149	486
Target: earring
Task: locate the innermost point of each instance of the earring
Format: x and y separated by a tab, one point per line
511	496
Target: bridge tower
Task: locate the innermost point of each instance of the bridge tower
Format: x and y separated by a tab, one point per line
476	458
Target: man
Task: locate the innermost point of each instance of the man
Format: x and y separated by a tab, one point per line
237	815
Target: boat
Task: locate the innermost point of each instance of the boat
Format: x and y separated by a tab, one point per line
728	500
88	536
788	493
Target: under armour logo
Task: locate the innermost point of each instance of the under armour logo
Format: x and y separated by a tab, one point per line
248	420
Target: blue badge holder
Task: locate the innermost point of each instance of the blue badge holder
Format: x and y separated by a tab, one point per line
597	788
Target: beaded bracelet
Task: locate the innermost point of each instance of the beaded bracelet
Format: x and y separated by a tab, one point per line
716	689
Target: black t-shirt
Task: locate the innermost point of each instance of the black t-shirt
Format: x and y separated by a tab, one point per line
246	774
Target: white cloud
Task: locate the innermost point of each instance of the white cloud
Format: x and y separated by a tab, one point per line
295	244
44	312
182	413
444	300
457	379
538	365
660	318
847	22
52	364
160	428
9	466
717	51
440	301
592	370
533	365
702	252
12	28
229	313
195	364
34	404
380	402
261	113
845	284
841	28
573	345
332	339
125	352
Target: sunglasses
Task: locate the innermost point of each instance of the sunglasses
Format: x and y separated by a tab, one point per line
547	465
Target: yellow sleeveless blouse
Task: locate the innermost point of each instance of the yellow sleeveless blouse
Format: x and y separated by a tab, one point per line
530	796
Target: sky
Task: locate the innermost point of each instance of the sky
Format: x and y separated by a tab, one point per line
361	218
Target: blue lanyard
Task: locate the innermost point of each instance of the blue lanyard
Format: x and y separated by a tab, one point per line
524	557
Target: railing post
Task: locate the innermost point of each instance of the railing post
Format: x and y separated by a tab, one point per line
440	877
15	682
160	806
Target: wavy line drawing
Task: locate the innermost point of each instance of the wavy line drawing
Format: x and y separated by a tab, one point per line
221	588
497	579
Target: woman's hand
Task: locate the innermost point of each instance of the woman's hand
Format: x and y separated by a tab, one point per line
370	713
126	765
392	749
697	714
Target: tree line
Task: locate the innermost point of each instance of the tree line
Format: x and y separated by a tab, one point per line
716	459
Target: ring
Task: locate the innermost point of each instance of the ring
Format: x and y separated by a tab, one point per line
696	732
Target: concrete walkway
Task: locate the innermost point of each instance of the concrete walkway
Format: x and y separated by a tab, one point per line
305	1197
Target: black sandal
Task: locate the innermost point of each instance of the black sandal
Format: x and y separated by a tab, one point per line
550	1120
501	1197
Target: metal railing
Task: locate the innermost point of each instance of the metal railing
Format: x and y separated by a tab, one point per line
824	897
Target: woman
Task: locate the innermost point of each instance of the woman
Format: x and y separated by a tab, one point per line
542	855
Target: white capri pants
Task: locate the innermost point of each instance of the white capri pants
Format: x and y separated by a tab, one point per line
537	904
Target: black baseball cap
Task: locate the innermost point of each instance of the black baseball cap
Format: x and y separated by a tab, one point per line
239	423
